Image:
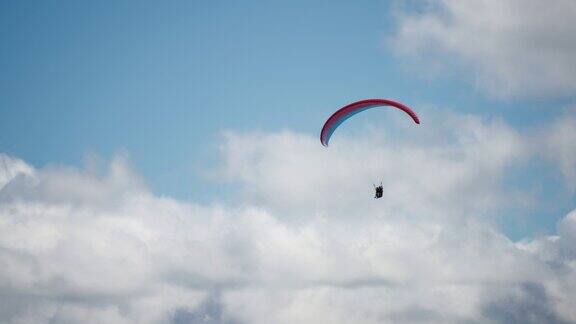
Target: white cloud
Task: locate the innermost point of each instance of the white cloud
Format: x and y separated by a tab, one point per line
558	142
11	168
305	244
509	47
457	168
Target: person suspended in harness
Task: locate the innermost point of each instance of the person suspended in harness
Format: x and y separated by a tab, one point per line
379	191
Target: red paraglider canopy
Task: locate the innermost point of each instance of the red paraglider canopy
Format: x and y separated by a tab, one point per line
350	110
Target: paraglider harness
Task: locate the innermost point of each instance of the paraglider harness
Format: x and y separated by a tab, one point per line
379	191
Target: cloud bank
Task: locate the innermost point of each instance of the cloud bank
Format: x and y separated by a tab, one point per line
304	242
510	48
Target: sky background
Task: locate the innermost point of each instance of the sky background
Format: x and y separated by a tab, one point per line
200	119
161	83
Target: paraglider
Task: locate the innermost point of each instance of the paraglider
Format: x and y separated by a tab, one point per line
342	114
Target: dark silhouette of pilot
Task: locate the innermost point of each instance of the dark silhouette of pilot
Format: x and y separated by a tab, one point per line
379	192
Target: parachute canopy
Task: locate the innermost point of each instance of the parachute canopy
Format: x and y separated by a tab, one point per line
352	109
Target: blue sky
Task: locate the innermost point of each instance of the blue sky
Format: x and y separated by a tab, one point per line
160	162
136	76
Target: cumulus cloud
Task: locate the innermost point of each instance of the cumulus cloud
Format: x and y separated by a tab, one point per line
11	168
509	47
455	165
305	243
558	142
